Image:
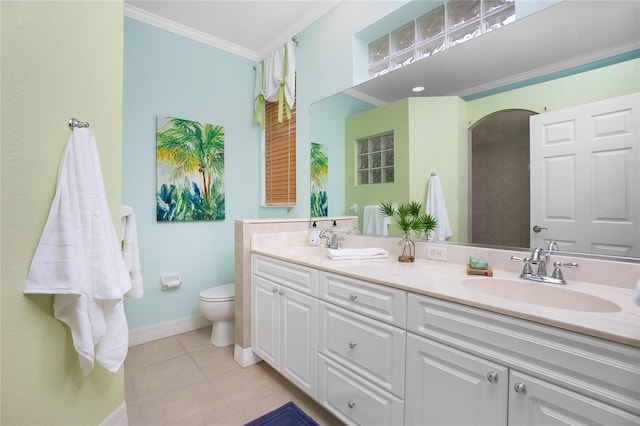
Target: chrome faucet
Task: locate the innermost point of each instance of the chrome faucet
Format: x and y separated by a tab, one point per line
335	235
539	258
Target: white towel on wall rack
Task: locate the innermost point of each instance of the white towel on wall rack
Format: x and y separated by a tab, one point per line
78	259
373	222
131	251
437	208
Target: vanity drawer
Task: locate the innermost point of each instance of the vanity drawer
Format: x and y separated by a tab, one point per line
294	276
354	400
380	302
372	349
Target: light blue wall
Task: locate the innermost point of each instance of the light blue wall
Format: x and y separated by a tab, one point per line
334	110
325	66
166	74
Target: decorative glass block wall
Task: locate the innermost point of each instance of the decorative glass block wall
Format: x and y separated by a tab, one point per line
375	159
449	24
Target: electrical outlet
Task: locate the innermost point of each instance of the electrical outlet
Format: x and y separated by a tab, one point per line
436	252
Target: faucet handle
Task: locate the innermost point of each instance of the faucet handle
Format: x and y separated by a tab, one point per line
557	272
526	270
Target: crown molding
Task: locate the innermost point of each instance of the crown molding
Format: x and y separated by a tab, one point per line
176	28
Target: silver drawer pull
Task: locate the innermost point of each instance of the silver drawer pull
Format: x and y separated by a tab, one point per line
275	289
351	404
353	297
281	292
352	344
492	377
520	388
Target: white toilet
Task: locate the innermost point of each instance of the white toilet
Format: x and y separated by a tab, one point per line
217	305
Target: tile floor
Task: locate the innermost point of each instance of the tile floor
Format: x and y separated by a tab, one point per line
184	380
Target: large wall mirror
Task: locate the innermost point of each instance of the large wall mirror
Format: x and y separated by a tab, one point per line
549	61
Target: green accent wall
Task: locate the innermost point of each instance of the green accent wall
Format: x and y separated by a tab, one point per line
430	136
589	86
59	60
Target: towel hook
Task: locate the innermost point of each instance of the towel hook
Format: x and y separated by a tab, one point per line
74	122
433	174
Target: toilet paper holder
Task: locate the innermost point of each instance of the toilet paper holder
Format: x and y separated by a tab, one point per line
171	281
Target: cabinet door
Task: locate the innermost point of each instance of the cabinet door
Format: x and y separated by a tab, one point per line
446	386
265	330
536	402
299	339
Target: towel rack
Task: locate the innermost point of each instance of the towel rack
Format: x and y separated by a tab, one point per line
74	122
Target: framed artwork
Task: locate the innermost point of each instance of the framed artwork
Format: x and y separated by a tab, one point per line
319	180
190	170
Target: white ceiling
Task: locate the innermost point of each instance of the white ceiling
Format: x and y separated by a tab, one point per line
569	34
250	28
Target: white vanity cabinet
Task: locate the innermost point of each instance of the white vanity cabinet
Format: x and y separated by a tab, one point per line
376	355
362	340
285	318
543	375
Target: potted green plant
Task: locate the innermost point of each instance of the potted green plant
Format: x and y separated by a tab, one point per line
409	218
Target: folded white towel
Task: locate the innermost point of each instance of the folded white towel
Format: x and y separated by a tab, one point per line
636	293
365	253
131	252
437	208
374	222
78	259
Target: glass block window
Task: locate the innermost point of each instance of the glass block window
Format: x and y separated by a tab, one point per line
447	25
375	159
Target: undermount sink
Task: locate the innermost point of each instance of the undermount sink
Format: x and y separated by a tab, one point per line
540	294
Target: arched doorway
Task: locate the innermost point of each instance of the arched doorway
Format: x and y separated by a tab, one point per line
499	179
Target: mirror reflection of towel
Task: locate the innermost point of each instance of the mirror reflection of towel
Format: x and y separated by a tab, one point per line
78	259
374	222
437	208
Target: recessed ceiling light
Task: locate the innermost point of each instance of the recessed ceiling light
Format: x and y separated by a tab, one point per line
418	89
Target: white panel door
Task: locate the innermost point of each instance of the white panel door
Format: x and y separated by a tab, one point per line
585	183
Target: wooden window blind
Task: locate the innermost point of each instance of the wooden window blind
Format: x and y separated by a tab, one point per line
280	157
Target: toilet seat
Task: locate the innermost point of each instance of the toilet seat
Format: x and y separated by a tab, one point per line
221	293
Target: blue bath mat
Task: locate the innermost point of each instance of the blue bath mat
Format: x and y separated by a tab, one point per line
287	415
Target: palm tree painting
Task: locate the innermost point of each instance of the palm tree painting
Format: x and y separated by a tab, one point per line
319	177
190	170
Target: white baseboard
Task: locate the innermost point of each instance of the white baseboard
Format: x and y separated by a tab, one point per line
245	356
117	417
165	329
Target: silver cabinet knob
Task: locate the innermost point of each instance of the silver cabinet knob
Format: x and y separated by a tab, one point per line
353	297
281	292
351	404
520	388
275	289
352	344
492	376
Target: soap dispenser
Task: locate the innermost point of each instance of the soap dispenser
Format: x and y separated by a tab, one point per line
314	235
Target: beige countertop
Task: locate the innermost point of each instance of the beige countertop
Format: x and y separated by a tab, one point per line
449	281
